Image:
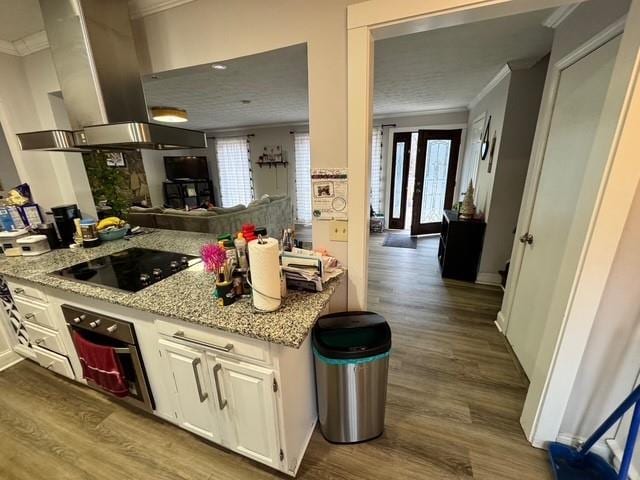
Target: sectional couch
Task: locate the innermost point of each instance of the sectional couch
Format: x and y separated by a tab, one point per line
274	213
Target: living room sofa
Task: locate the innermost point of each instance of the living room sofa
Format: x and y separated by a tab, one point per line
275	213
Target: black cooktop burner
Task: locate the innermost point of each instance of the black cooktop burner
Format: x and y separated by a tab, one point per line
131	270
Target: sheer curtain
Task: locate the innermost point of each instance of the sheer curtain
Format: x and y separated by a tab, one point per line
303	177
234	170
376	189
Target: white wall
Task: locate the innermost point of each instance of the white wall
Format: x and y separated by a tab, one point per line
18	114
493	104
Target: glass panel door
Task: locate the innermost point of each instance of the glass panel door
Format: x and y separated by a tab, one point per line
436	166
399	179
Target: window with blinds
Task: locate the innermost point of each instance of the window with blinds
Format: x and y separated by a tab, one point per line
234	170
376	190
303	177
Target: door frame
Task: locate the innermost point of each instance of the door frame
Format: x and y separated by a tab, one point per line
387	148
452	175
552	382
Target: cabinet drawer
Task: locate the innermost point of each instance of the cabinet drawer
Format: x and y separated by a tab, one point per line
34	313
54	362
27	292
216	341
45	338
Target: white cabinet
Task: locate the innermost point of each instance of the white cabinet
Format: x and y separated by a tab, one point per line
189	381
250	395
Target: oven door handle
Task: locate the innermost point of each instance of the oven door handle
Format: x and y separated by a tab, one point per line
203	395
179	335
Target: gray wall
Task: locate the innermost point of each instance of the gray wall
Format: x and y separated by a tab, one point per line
8	174
510	166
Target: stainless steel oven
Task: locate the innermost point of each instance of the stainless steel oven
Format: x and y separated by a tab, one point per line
119	334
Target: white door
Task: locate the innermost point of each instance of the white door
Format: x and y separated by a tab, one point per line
187	376
471	157
575	119
248	391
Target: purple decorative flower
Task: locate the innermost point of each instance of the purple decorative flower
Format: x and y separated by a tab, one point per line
213	256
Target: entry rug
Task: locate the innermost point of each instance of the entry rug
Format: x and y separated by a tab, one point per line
400	241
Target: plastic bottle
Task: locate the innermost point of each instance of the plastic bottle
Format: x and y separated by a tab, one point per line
241	250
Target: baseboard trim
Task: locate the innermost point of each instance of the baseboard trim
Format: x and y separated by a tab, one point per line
600	448
501	322
489	279
617	452
9	359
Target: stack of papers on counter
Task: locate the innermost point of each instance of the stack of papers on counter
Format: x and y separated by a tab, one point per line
308	270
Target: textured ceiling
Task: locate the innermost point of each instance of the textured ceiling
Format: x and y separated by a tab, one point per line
19	18
447	68
275	82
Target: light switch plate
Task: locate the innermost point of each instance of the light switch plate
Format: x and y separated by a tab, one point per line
339	230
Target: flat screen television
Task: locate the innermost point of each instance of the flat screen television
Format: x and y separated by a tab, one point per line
195	168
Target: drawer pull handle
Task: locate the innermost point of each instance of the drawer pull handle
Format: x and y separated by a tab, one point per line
179	335
203	395
18	291
29	316
216	369
39	341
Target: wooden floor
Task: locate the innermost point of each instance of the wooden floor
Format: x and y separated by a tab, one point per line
454	399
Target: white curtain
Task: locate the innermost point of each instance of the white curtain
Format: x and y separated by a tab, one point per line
303	177
376	189
234	170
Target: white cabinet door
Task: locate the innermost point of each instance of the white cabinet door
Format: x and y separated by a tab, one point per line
250	398
188	378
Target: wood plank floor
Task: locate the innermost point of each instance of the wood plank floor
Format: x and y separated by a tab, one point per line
454	399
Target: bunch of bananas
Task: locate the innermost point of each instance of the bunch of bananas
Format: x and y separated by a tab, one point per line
110	222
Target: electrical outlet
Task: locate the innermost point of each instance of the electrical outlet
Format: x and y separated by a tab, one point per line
339	230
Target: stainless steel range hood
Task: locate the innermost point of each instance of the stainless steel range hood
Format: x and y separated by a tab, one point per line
94	54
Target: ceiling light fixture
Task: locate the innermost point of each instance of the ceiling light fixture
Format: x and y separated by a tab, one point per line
218	66
169	114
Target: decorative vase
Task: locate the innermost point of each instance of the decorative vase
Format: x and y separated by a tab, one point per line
468	209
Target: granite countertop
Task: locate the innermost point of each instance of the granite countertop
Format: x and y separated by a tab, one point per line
185	296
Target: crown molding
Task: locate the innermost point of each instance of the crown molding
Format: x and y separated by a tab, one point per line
559	15
504	71
31	43
137	9
419	113
38	41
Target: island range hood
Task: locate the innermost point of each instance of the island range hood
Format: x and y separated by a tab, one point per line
94	55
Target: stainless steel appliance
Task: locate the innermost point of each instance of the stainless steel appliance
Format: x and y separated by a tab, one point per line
95	59
351	353
131	270
120	335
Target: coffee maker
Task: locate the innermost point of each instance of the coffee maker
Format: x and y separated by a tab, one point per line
63	216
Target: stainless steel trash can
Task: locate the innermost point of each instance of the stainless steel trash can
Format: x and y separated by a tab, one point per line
351	352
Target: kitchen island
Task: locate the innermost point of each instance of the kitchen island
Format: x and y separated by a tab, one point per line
228	374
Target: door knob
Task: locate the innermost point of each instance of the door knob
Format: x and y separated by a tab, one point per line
526	238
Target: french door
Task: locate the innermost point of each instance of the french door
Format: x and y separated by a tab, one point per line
399	179
435	178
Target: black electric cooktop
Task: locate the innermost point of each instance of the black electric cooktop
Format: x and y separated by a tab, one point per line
130	270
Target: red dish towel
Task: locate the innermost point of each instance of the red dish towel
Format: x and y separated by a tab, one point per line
101	365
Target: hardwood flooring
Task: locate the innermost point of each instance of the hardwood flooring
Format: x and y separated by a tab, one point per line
454	400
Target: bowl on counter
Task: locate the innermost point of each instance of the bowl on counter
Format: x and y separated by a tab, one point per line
113	233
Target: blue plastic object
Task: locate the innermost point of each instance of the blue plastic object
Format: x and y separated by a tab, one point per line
569	463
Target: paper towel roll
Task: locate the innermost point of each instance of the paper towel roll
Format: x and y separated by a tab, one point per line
264	263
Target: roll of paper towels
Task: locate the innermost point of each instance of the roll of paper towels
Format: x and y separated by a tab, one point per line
264	264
